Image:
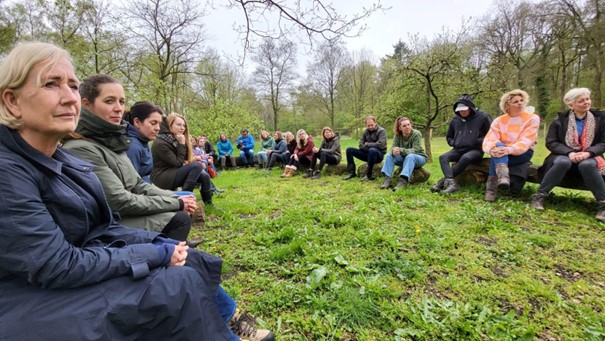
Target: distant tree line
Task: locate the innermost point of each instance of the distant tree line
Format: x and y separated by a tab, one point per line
160	51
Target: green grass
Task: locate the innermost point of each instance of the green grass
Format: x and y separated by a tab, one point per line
330	259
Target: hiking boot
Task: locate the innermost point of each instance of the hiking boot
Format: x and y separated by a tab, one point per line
491	188
537	201
242	325
503	176
386	183
438	186
450	186
401	183
308	174
316	174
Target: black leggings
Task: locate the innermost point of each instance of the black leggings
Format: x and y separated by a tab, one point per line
192	176
178	227
324	158
302	160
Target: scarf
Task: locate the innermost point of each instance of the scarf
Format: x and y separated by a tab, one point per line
169	138
573	141
96	129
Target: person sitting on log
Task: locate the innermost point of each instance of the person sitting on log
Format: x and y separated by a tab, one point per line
406	152
465	135
510	142
576	141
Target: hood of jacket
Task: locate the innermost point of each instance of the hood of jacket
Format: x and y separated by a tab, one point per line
133	132
94	128
466	100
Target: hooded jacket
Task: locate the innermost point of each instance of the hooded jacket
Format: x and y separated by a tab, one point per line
467	133
68	271
139	153
138	203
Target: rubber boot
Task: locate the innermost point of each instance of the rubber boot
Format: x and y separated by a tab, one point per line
503	176
351	169
491	188
386	183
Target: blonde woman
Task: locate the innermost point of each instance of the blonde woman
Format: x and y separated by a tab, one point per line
302	153
174	164
510	141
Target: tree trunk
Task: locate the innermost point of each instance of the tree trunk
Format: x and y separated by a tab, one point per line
427	142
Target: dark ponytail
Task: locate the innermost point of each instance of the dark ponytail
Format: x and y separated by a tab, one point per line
141	110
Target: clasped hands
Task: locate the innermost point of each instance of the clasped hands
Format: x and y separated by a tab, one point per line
577	157
190	203
498	151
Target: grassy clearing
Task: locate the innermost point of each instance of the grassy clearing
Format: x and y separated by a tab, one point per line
330	259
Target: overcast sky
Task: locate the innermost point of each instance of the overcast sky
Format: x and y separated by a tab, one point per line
404	17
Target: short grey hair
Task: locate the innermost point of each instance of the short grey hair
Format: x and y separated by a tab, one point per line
574	93
15	69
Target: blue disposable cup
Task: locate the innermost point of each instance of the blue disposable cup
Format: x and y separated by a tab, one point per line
182	193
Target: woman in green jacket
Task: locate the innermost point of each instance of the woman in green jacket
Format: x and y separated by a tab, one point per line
102	140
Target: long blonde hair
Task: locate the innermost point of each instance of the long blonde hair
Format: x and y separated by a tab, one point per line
170	120
301	142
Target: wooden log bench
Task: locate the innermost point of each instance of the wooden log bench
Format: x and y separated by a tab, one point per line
476	173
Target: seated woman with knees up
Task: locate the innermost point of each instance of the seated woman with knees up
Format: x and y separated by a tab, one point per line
510	142
576	141
174	164
327	153
302	154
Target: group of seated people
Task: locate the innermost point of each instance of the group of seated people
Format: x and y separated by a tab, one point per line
88	248
95	234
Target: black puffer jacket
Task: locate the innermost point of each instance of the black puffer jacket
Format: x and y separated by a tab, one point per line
467	133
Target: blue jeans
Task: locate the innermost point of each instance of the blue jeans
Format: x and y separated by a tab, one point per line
510	160
372	156
408	163
226	307
262	157
247	156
